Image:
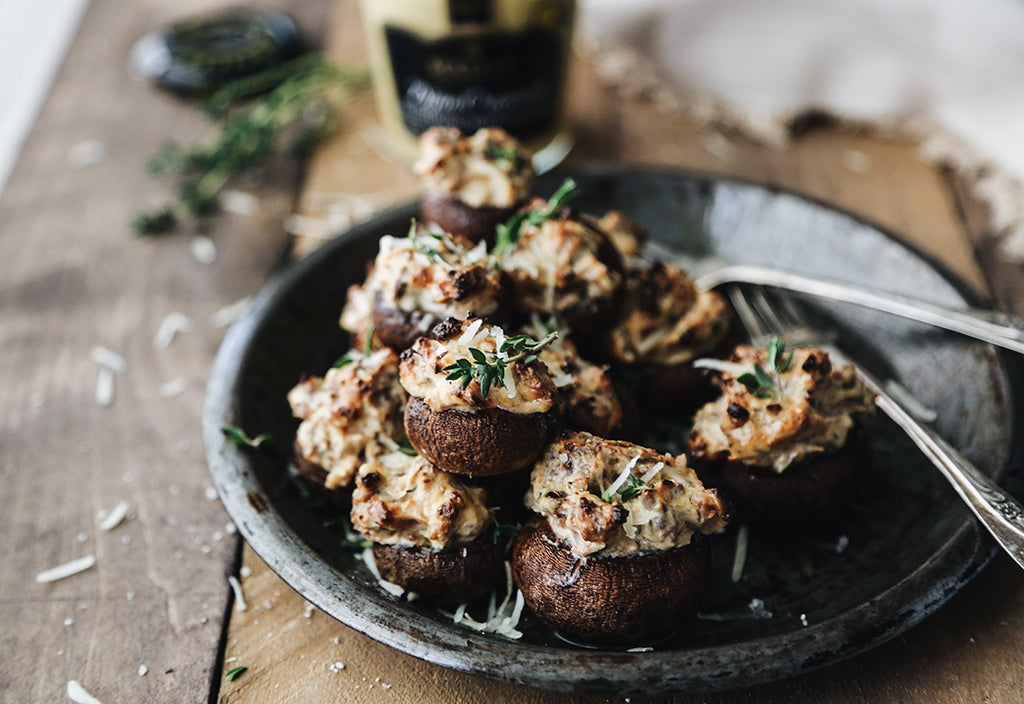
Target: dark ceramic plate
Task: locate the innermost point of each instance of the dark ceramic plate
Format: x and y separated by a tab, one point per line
804	601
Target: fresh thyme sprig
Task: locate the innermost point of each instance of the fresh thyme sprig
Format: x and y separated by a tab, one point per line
300	100
423	247
235	672
765	383
632	489
238	437
489	367
499	153
508	233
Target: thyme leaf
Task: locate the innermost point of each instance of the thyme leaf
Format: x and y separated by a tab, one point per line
507	234
235	672
488	368
766	383
238	437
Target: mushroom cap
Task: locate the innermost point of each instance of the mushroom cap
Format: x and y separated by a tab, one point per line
452	215
451	576
619	601
314	475
398	329
478	442
815	490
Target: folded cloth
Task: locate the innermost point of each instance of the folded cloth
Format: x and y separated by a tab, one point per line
946	72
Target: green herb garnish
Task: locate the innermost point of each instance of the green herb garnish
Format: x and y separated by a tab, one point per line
765	383
239	438
502	153
296	110
358	543
407	449
489	367
423	247
501	530
235	672
508	233
632	489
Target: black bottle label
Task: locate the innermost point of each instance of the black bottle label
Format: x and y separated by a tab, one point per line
479	79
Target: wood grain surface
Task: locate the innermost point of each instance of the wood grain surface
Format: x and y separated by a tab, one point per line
73	277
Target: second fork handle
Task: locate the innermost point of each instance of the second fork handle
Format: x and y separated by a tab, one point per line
997	511
990	326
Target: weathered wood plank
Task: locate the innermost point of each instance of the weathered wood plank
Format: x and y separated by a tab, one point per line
75	277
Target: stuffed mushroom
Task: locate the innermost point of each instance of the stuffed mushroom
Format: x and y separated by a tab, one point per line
617	555
480	403
783	441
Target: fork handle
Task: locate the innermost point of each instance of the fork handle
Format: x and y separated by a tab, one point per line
994	327
997	511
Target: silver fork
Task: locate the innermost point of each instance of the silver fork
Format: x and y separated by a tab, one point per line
999	512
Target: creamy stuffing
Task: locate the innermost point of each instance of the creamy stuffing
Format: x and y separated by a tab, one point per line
487	168
522	388
407	501
350	415
618	498
427	276
560	265
667	321
812	410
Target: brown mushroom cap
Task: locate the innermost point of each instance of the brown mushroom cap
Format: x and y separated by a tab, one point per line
611	601
479	442
447	577
398	329
452	215
314	476
815	490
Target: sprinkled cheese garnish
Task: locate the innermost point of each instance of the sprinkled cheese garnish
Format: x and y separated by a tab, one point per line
171	325
113	519
108	359
238	202
203	249
740	556
66	570
624	475
733	369
228	314
143	670
652	472
172	388
77	694
468	334
105	386
236	587
501	620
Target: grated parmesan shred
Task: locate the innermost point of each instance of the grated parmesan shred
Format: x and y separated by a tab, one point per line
203	249
77	694
733	369
108	358
501	620
623	475
170	326
105	387
66	570
469	333
116	515
236	587
740	556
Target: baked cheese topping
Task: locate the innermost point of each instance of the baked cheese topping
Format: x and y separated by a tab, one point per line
403	500
618	498
429	276
626	234
488	168
351	414
559	265
667	321
813	410
586	389
426	366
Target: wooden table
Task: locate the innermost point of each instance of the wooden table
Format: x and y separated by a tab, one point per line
152	620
